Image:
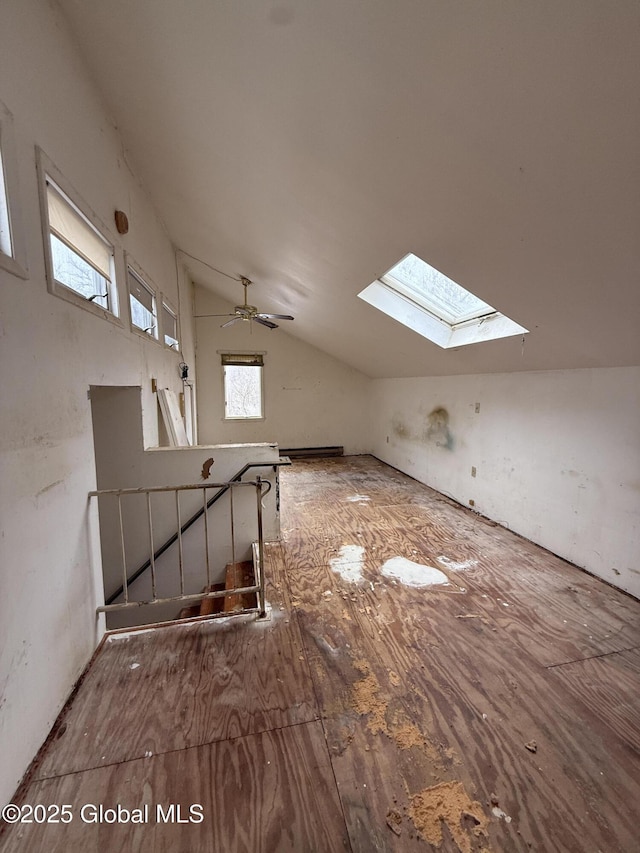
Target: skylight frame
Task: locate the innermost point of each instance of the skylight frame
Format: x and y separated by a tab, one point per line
427	317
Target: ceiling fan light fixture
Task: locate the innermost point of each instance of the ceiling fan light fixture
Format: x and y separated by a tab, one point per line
249	312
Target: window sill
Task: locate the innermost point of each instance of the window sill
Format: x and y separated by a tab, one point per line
55	288
12	266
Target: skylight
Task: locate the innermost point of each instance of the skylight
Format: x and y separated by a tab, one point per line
423	299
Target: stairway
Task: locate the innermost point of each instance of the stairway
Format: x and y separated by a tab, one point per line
237	575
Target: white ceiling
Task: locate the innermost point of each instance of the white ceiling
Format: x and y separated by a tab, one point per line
310	145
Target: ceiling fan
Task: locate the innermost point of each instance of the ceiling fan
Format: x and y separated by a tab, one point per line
250	312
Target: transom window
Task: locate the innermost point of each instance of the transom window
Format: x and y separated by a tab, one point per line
170	327
243	386
13	256
142	301
81	257
6	243
426	301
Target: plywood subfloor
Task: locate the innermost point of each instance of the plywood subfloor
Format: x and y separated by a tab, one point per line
499	711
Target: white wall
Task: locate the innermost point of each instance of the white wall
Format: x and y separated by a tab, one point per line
557	455
311	399
51	352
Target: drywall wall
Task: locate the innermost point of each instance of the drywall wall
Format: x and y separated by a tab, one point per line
311	399
51	352
123	462
556	455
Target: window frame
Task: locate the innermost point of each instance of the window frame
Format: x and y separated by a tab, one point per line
165	304
226	360
143	279
47	170
16	262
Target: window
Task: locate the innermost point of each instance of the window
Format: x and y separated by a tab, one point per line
423	299
80	258
12	252
6	243
242	376
142	302
170	327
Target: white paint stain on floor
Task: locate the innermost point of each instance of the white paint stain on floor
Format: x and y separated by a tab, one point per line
500	814
457	567
348	563
413	574
358	498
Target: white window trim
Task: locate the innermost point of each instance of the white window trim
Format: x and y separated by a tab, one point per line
157	298
166	303
45	167
249	420
16	263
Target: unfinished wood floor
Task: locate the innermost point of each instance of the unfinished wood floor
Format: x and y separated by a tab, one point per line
499	711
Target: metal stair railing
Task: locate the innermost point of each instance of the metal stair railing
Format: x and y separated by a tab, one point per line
149	564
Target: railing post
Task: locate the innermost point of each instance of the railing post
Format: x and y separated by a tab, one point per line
205	509
152	557
180	556
125	584
261	592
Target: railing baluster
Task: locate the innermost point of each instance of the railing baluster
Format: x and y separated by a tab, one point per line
151	549
180	560
125	585
206	536
233	540
261	593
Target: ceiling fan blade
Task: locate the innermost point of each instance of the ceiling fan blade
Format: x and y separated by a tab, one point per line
228	314
274	316
230	322
267	323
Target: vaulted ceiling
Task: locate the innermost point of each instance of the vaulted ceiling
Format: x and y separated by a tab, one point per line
310	145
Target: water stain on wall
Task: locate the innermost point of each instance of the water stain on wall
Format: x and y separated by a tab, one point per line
400	428
437	429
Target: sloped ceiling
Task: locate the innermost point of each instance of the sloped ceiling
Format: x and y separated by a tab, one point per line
309	145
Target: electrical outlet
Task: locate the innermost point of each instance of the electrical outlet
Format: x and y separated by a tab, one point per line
473	470
472	502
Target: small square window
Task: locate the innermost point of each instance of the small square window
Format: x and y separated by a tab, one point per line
243	386
142	303
170	327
